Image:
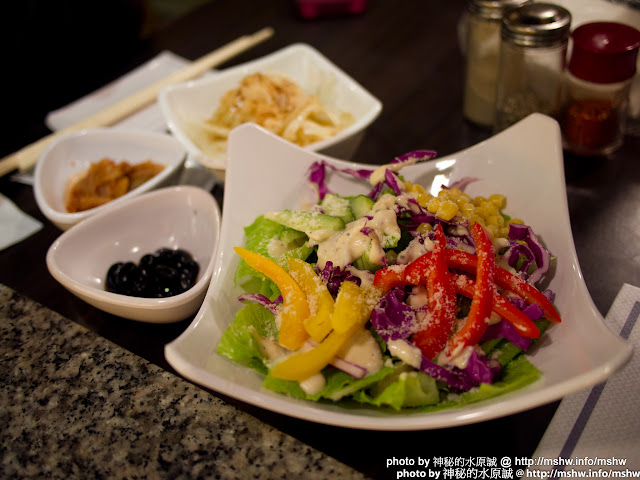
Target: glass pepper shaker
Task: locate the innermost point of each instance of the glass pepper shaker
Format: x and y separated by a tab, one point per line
482	50
532	62
599	76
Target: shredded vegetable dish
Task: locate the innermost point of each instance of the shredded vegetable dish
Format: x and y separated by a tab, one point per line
398	299
276	103
104	181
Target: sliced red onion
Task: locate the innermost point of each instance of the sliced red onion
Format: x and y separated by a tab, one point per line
415	156
356	371
353	369
361	174
274	307
462	183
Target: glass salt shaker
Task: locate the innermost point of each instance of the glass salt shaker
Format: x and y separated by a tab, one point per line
599	77
532	62
482	50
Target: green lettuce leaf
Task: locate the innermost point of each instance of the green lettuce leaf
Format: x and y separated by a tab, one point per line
258	236
339	385
239	341
402	389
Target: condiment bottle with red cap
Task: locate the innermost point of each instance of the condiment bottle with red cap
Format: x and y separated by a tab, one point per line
599	76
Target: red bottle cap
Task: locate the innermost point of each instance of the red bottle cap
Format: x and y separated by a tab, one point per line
604	52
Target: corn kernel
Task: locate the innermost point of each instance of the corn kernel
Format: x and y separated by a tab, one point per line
487	209
447	210
495	220
500	201
419	189
433	204
423	199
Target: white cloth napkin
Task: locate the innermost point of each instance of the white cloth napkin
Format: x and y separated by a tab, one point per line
600	427
15	225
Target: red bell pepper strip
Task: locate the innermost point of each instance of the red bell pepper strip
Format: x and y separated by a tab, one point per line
503	307
441	297
468	263
482	303
389	277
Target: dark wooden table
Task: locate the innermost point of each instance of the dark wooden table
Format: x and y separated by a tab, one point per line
407	54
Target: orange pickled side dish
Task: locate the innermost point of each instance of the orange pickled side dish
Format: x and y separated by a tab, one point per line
104	181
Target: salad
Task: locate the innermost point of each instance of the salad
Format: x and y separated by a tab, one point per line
398	299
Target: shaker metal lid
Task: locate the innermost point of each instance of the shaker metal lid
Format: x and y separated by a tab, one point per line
536	25
493	9
604	52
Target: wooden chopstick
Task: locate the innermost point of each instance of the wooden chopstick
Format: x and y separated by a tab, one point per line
26	157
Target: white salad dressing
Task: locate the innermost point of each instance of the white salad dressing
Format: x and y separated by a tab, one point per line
365	276
414	250
346	246
276	247
271	349
313	384
406	352
363	350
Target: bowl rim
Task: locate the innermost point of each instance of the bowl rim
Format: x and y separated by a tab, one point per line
139	303
69	219
220	162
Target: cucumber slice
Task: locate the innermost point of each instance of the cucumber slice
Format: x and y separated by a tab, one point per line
337	206
308	222
361	205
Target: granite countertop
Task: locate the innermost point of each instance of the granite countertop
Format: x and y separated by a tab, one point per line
73	404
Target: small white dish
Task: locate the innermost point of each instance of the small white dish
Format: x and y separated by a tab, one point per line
75	152
182	217
188	104
524	162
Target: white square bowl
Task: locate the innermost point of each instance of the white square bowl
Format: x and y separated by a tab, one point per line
524	163
188	104
75	152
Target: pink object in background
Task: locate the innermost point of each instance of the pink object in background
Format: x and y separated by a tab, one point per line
325	8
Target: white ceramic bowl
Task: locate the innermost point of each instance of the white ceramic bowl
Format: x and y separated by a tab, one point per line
186	105
524	162
183	217
75	152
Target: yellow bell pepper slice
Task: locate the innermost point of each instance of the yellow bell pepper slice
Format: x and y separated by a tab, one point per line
351	305
320	301
292	334
350	315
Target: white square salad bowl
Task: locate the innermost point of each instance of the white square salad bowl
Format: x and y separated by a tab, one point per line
187	104
523	162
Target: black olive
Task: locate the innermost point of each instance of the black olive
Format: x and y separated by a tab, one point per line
147	260
164	273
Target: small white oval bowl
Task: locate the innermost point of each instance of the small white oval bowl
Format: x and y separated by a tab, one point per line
186	105
183	217
75	152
